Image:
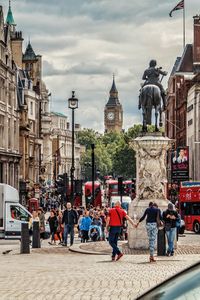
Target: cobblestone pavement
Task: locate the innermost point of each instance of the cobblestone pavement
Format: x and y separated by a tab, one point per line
54	272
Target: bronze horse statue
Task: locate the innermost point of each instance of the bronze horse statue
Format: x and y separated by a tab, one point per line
150	98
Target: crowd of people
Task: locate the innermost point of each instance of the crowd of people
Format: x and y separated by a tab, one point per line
97	224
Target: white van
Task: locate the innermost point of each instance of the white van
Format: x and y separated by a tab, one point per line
12	213
126	200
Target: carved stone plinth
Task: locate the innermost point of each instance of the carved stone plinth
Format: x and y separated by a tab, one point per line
151	151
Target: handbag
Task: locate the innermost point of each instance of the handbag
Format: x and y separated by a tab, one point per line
158	221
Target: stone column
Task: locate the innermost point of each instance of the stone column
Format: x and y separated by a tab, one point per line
151	178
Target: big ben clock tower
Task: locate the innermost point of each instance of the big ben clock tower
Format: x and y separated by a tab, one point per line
113	112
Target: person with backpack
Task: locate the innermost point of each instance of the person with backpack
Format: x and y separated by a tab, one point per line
170	218
114	222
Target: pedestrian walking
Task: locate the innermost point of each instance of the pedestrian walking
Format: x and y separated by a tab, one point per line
42	222
170	218
152	214
53	224
60	228
70	218
85	226
103	220
114	222
80	216
33	219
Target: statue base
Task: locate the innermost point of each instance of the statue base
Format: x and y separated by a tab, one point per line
151	152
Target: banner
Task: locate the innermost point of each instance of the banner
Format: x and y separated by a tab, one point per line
180	164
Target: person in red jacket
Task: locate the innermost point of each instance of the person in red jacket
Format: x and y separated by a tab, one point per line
114	222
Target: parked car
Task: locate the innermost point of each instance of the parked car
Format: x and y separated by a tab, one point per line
184	285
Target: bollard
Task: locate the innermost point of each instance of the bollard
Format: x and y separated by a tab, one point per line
36	235
161	243
25	239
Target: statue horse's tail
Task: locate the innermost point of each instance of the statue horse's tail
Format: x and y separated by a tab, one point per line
148	115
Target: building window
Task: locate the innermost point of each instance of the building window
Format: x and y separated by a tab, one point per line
190	108
2	90
190	122
1	130
15	127
1	172
9	133
31	150
10	94
27	66
31	108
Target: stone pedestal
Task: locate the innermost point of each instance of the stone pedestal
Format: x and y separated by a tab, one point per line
151	178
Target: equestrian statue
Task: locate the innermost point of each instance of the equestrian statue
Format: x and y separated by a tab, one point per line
152	94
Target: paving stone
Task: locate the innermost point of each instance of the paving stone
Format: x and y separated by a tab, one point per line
55	273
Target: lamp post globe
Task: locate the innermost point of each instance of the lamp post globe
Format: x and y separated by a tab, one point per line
73	102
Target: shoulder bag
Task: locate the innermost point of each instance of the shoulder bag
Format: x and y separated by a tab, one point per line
119	217
158	221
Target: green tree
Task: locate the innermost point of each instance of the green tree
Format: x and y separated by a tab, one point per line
103	161
87	137
124	163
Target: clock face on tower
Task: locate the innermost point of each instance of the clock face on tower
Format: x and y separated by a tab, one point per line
110	116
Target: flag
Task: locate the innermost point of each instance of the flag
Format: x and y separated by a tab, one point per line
180	5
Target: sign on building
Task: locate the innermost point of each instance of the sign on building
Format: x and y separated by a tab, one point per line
180	164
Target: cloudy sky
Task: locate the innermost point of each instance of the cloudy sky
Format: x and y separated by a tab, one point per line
83	42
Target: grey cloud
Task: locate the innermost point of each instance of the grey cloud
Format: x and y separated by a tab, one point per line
49	70
49	44
84	41
91	68
82	68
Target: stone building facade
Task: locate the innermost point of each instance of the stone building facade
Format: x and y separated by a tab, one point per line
193	128
62	146
9	116
182	113
30	134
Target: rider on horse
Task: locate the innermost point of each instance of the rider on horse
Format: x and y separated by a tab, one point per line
152	76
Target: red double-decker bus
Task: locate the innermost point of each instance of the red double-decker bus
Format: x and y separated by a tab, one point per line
189	202
97	194
112	189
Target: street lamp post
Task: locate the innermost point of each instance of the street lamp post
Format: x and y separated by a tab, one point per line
93	171
72	104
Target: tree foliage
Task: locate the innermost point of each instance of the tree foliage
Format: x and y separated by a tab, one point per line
113	155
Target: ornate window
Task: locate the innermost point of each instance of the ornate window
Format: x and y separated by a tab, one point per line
2	131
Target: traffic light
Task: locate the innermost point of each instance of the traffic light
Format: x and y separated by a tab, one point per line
61	184
120	186
78	187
